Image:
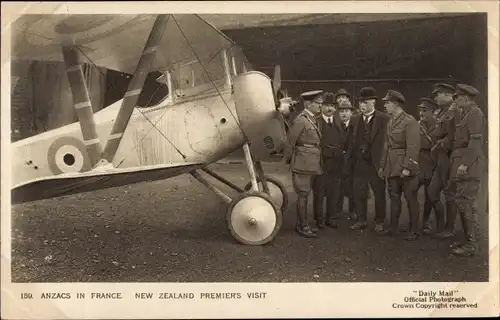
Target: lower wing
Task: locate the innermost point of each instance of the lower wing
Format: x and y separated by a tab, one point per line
67	184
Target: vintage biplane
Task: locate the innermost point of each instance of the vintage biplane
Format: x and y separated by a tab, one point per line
215	105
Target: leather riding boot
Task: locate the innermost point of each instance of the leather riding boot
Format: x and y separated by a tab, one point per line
439	212
451	214
426	226
319	214
469	226
395	213
303	227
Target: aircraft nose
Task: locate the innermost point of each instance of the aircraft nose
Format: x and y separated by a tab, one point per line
259	118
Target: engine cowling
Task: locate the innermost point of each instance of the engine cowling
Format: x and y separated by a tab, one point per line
261	122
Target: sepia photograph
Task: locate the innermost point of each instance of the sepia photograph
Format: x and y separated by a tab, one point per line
248	148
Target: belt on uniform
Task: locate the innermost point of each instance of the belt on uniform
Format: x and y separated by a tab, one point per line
397	148
425	149
307	145
331	147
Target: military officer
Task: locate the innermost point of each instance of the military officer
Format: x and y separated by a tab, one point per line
303	153
427	164
399	163
467	160
443	134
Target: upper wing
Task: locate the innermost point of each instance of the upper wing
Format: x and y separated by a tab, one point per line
61	185
116	41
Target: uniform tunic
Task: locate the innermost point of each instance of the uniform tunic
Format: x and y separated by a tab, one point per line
303	152
425	161
402	147
468	142
444	130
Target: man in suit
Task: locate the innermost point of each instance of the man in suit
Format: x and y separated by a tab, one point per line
466	166
342	98
427	164
303	153
365	152
399	163
345	111
333	138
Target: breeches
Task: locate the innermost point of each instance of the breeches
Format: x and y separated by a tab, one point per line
409	187
440	182
302	183
466	193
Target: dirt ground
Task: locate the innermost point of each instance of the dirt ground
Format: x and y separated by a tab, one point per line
175	231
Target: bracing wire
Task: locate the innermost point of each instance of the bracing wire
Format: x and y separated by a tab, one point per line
149	120
210	78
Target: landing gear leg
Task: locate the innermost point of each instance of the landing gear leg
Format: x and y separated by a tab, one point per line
254	217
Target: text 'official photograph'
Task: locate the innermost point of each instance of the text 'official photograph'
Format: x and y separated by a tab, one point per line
249	148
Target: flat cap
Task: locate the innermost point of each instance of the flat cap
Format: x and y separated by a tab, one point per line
393	95
427	103
465	89
328	98
443	87
311	95
345	105
342	92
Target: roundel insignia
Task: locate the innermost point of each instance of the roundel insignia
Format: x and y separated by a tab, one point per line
68	154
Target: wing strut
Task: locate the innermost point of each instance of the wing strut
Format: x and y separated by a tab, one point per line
82	102
135	87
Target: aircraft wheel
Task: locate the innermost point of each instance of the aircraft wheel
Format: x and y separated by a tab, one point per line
277	191
254	219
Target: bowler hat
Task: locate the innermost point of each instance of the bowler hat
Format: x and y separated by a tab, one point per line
367	93
442	87
345	105
427	103
311	95
341	92
328	98
393	95
466	90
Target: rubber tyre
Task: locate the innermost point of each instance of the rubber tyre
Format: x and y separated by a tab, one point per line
277	212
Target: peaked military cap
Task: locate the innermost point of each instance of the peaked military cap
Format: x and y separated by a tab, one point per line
342	92
393	95
367	93
465	89
443	87
311	95
328	98
427	103
345	105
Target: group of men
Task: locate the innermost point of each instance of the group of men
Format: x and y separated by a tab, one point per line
335	151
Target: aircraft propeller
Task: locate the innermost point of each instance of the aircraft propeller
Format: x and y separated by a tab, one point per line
284	103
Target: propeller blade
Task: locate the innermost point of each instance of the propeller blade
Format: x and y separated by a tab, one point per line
277	79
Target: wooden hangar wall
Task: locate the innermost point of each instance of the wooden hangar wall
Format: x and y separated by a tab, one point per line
351	55
410	54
